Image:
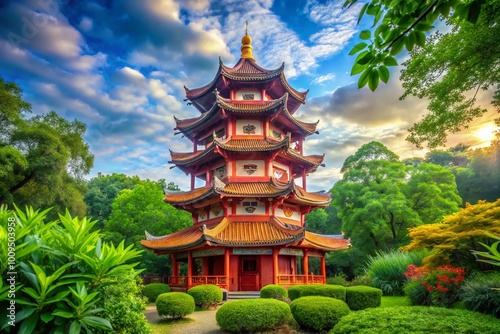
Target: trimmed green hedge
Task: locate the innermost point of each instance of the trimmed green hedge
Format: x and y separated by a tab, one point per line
206	295
253	315
153	290
416	320
175	304
274	291
332	291
318	313
361	297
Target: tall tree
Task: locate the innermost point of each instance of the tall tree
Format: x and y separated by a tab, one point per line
379	197
442	70
141	209
44	155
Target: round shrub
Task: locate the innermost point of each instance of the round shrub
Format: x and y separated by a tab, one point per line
206	295
332	291
153	290
361	297
318	313
274	291
337	280
417	294
480	293
415	319
175	304
252	315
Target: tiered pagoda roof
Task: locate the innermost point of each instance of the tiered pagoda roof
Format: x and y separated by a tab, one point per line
243	234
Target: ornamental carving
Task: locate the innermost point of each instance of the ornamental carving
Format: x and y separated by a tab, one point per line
288	212
248	97
250	168
276	134
216	209
202	214
250	209
249	129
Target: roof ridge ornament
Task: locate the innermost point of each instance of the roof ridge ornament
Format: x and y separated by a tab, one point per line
246	47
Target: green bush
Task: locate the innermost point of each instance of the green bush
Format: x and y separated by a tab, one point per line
332	291
64	269
274	291
153	290
253	315
338	280
481	292
361	280
206	295
175	304
417	294
387	269
318	313
361	297
124	304
416	319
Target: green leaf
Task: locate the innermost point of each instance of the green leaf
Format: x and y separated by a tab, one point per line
383	73
63	314
390	61
372	9
373	79
28	324
362	12
357	68
24	313
366	59
420	38
474	11
365	34
46	317
394	3
363	79
97	322
358	47
397	47
410	41
423	26
75	327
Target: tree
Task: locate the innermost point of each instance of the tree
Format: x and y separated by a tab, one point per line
324	221
102	191
442	70
142	209
43	155
457	235
379	197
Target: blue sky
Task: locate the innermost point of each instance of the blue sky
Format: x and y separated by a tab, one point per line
120	67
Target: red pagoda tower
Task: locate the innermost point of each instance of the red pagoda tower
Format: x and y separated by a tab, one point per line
248	218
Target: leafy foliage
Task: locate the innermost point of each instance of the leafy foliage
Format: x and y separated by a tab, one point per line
332	291
492	256
458	234
141	209
59	288
253	315
318	313
274	291
206	295
175	304
379	197
361	297
45	154
153	290
387	269
416	319
481	292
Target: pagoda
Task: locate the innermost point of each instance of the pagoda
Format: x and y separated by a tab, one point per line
248	212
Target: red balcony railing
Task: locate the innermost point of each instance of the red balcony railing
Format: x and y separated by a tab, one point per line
300	279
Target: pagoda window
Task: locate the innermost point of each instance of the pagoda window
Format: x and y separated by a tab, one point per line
251	206
251	127
220	172
248	94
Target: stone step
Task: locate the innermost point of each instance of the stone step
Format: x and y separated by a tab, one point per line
243	294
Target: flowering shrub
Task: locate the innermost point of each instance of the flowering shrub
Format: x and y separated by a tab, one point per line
441	285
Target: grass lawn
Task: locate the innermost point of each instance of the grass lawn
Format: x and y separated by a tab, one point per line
166	325
390	301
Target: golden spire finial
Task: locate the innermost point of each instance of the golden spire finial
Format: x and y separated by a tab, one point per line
246	47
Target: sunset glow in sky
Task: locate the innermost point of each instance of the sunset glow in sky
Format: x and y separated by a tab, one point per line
120	67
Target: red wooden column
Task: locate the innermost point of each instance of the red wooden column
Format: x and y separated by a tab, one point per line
275	265
226	267
175	266
190	269
323	267
305	264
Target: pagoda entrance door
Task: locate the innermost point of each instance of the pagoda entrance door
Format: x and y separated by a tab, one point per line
249	275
